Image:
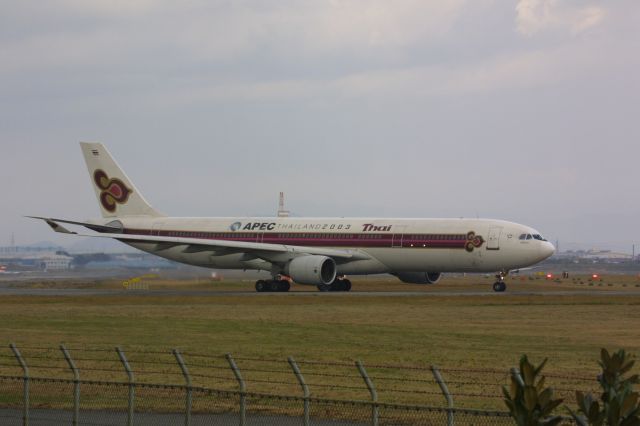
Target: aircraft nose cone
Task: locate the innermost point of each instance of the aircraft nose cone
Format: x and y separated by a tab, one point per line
546	250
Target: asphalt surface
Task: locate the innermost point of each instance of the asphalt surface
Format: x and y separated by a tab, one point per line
43	417
11	289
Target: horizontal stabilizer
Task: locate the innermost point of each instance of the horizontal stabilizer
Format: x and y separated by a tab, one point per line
59	228
93	227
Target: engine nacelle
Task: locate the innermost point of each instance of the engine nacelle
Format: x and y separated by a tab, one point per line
312	270
419	277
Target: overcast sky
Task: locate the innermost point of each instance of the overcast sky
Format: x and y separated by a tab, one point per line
520	110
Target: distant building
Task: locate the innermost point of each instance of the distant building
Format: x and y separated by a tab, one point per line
56	263
26	251
595	255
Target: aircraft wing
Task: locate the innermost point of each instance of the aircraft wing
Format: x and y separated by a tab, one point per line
269	252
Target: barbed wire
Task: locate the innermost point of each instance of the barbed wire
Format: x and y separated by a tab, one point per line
274	371
11	365
571	377
461	381
209	376
337	386
274	360
46	367
197	355
260	370
472	370
214	367
252	380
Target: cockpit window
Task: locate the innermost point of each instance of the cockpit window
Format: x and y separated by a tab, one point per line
531	237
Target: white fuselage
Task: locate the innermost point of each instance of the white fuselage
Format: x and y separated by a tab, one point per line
388	245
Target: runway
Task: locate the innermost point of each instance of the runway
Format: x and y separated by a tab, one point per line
110	292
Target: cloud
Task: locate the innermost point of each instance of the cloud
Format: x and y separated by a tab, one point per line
538	100
536	16
377	23
242	51
586	18
119	8
514	71
68	33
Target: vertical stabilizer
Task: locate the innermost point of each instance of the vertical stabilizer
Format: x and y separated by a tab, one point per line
117	196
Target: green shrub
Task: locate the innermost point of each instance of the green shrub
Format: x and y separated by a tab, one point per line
618	403
529	402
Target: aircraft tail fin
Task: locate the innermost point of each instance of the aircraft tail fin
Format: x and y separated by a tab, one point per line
116	194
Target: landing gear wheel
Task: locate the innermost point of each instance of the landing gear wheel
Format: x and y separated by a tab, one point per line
261	286
347	285
337	285
273	285
284	285
324	287
499	286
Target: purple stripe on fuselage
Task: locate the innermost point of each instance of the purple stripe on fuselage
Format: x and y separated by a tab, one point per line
452	241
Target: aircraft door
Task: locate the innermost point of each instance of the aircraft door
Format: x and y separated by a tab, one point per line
493	239
156	228
398	235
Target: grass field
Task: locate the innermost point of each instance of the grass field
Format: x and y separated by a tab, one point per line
481	333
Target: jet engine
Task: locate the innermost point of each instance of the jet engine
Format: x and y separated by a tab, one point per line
419	277
312	270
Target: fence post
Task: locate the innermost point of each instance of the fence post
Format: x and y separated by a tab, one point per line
243	389
76	384
305	388
445	392
187	378
132	385
372	391
515	373
25	384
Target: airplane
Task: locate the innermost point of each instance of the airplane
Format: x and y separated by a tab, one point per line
318	252
3	271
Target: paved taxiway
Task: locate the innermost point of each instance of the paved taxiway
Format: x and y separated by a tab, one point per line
28	291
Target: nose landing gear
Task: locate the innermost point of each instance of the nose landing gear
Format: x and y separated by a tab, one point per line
499	286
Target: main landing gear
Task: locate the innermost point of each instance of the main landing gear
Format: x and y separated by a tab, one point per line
263	286
339	284
500	286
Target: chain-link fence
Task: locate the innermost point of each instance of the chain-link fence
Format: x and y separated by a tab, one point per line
99	386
